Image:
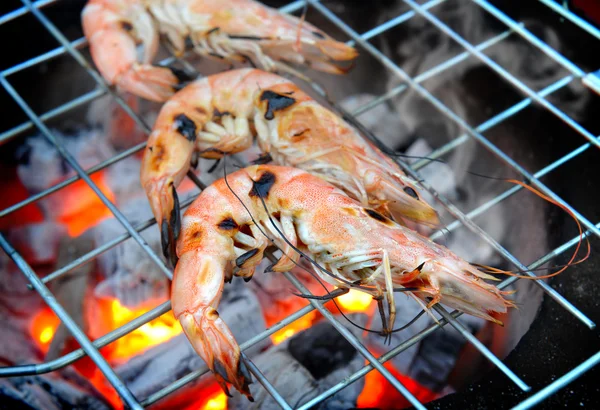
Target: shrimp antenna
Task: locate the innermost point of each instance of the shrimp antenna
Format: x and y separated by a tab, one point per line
299	31
531	189
571	262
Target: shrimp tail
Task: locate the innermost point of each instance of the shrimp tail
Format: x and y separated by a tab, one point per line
113	33
206	331
150	82
336	50
331	54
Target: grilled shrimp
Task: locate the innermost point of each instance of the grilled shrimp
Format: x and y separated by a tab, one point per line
231	30
222	114
226	230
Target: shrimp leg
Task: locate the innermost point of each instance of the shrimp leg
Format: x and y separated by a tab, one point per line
331	295
389	286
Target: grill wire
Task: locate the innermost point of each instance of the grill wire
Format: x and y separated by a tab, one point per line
471	50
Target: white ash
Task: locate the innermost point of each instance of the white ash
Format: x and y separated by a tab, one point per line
38	242
438	354
17	346
442	178
70	290
130	275
122	131
51	392
381	120
163	364
422	46
307	364
438	175
407	308
42	166
123	179
17	301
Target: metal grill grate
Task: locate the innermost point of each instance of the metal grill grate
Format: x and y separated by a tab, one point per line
361	40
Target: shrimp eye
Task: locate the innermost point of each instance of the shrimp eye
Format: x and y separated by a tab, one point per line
127	26
377	216
411	192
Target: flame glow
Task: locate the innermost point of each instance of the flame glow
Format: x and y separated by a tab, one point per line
218	402
151	334
379	393
304	322
355	301
212	397
83	208
43	326
159	330
47	334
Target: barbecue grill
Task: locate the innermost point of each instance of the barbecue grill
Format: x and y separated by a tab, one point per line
511	376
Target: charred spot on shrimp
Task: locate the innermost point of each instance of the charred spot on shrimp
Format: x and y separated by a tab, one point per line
219	114
220	370
175	219
158	155
263	158
262	187
185	126
228	224
200	110
239	262
300	134
411	192
243	371
182	77
275	102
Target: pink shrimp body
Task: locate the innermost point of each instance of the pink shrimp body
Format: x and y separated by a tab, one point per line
222	113
113	27
224	235
230	30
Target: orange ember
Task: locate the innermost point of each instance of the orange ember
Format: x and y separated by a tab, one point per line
161	329
213	398
379	393
43	326
83	208
150	334
296	326
106	389
13	191
355	301
352	302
